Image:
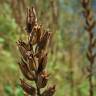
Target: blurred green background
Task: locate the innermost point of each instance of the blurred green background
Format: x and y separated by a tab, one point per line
67	61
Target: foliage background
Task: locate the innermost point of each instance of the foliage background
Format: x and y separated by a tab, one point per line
67	61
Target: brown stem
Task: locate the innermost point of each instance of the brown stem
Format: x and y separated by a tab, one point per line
90	81
91	93
90	84
38	89
38	92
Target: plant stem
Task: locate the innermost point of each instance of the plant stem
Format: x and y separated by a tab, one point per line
71	76
38	89
90	24
90	81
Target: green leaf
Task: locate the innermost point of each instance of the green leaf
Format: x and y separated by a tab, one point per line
19	91
8	90
1	40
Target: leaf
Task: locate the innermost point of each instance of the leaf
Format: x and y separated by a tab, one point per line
9	90
1	40
19	91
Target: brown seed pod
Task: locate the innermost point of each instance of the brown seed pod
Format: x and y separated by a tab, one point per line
34	56
49	91
25	70
27	88
42	79
85	3
42	62
24	45
33	64
31	19
43	43
23	51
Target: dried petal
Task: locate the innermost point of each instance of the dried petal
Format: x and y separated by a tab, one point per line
28	89
22	50
39	33
49	92
42	63
33	15
85	3
23	44
33	36
31	19
42	79
44	42
32	62
25	70
36	34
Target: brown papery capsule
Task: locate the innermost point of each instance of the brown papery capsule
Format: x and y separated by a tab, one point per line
42	79
42	63
49	91
27	88
25	70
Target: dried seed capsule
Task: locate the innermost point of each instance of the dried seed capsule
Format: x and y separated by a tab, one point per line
35	36
32	63
44	42
22	51
42	79
31	19
23	48
85	3
23	44
28	89
49	92
42	63
25	70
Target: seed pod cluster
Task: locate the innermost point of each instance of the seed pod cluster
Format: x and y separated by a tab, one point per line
90	25
34	54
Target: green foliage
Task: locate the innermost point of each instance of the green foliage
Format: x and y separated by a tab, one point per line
8	24
9	90
1	40
8	27
13	92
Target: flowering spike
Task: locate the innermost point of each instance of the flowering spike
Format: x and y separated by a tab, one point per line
34	56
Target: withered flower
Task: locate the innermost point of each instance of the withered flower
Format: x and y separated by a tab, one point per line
49	91
31	19
42	79
28	89
34	57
